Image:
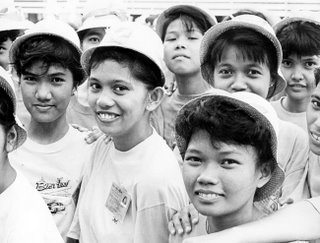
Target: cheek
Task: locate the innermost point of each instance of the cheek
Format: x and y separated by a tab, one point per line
190	176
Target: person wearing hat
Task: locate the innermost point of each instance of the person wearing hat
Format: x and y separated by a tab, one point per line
229	147
243	54
125	85
299	221
91	32
11	26
300	41
24	215
47	61
181	28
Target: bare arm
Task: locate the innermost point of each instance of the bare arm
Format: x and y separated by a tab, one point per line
300	221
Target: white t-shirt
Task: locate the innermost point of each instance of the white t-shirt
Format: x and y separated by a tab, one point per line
24	216
298	118
150	174
55	170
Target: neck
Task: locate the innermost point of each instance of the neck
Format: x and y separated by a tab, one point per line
190	85
220	223
295	106
7	174
128	141
47	133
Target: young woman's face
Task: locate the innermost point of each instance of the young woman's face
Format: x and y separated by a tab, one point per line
298	71
118	100
313	120
46	92
182	48
92	38
235	73
220	181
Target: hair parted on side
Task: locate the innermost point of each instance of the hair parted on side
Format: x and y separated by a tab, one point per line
141	68
51	50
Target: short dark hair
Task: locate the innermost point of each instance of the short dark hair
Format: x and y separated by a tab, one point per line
225	123
7	119
9	34
51	50
301	38
189	17
253	46
141	67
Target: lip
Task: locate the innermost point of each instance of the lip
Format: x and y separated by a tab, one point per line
297	86
315	137
207	196
180	56
43	107
107	116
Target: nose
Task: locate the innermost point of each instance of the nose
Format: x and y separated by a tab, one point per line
105	99
297	74
181	44
239	83
43	91
209	175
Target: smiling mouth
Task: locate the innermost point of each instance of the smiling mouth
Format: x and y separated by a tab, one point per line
107	116
208	196
180	56
317	138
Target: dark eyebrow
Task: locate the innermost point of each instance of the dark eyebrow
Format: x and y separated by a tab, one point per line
315	96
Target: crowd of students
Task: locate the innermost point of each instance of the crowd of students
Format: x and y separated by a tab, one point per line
195	131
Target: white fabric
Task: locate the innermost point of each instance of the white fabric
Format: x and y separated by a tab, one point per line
56	171
296	118
293	153
314	175
150	174
24	216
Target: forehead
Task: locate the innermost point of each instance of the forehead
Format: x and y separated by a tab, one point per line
94	31
182	25
40	68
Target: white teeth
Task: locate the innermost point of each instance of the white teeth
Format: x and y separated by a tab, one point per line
315	137
107	115
208	196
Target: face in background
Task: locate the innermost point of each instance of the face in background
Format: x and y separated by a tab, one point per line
4	53
46	91
221	181
119	101
235	73
182	48
92	38
313	121
298	71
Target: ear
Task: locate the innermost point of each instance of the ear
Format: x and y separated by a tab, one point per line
11	139
155	97
264	174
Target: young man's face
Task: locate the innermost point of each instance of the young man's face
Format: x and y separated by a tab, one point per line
298	71
235	73
313	120
221	181
182	48
118	100
46	92
4	53
92	38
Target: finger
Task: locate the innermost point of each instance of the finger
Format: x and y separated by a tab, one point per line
176	220
171	228
194	214
185	219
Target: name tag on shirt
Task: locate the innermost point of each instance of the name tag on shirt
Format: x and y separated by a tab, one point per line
118	202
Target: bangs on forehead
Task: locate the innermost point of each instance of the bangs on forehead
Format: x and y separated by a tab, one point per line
243	52
188	23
